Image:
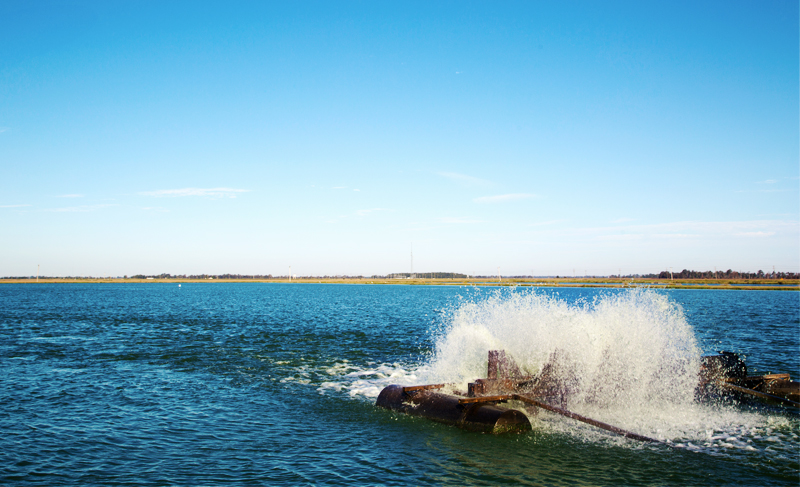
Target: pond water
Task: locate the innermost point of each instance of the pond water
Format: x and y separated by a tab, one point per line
255	383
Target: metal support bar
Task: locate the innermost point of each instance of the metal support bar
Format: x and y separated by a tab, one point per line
563	412
584	419
763	395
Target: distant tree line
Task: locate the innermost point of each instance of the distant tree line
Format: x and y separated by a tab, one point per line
729	274
684	274
201	276
427	275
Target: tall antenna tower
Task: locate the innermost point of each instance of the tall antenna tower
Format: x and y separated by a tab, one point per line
411	274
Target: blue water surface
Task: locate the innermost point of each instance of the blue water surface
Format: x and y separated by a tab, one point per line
208	384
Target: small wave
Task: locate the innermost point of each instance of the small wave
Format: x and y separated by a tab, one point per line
367	382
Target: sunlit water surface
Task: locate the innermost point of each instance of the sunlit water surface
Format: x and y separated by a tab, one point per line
260	384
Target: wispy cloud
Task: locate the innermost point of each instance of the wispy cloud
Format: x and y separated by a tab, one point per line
622	236
459	220
764	187
623	220
203	192
502	198
159	209
673	235
370	211
755	234
683	230
78	209
3	129
549	222
74	195
13	206
764	190
466	180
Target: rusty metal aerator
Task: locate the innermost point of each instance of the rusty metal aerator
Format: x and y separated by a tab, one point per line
478	409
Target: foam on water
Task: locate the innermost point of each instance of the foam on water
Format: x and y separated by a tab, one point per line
367	382
629	359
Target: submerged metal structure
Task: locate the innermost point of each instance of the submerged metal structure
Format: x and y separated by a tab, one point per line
726	374
479	408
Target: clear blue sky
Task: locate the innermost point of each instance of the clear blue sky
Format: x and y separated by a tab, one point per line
537	137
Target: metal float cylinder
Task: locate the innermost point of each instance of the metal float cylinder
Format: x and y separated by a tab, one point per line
439	407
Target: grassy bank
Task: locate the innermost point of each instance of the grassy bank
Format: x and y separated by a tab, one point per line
752	284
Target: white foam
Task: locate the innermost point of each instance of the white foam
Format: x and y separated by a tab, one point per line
367	382
631	360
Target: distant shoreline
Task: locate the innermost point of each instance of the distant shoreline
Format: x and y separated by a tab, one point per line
726	284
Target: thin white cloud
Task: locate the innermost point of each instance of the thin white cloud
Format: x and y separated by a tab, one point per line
502	198
466	180
549	222
755	234
78	209
764	190
74	195
768	181
13	206
203	192
3	129
672	235
682	230
546	223
622	236
370	211
623	220
159	209
356	190
459	220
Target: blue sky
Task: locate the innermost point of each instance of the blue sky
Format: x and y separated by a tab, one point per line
537	137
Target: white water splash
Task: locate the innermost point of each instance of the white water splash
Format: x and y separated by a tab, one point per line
628	349
630	359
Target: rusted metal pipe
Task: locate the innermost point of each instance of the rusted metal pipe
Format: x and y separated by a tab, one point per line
483	417
558	410
584	419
